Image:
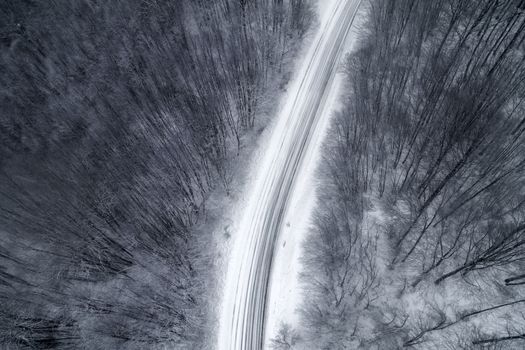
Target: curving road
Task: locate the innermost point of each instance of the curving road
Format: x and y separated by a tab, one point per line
243	315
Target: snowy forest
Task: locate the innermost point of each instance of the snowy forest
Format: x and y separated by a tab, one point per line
118	118
418	240
128	128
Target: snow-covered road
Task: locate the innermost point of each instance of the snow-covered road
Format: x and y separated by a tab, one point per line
246	290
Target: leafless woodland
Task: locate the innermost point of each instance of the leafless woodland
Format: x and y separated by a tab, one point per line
419	236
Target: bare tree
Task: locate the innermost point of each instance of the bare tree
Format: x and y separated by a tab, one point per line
286	338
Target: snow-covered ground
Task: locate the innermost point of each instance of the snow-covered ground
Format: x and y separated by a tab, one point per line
281	191
223	211
285	288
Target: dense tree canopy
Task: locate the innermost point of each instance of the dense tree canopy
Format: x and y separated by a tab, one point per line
425	173
117	120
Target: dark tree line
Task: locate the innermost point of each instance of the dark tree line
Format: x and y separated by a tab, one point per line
430	150
117	120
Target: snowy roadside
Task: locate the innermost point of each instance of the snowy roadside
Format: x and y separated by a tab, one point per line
218	228
285	286
285	289
223	212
